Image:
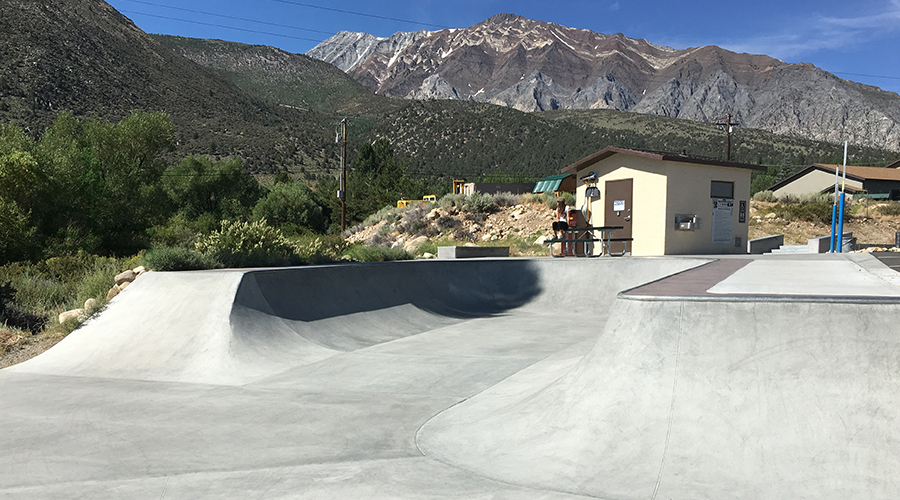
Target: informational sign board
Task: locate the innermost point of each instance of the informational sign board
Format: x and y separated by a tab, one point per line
619	205
722	221
742	212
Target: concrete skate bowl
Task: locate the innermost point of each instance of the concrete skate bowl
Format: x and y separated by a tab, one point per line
235	327
704	399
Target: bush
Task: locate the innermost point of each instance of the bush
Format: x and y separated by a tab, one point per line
478	203
507	199
178	259
891	208
389	214
366	253
179	231
452	201
413	221
550	199
810	211
243	244
57	284
765	196
320	249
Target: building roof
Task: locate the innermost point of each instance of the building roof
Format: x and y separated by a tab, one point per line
895	164
550	183
656	155
859	174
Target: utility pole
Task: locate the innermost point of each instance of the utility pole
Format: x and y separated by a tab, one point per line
729	126
342	190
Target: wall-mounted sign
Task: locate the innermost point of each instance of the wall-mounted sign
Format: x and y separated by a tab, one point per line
742	212
619	205
722	221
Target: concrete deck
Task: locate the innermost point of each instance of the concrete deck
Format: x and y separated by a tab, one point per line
512	378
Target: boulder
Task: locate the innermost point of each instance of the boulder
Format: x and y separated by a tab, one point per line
139	270
125	277
414	243
73	314
112	293
90	304
124	285
427	255
433	215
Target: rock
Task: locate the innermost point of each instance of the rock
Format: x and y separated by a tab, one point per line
73	314
124	285
487	237
90	304
771	216
414	243
125	277
427	255
139	270
112	293
433	215
540	240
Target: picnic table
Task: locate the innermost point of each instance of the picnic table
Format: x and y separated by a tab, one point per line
583	238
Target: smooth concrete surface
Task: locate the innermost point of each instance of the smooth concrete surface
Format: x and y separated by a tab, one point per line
506	379
805	277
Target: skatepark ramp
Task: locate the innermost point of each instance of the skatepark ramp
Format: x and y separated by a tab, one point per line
235	326
701	399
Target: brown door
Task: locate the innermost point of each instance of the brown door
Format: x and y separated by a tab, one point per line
618	210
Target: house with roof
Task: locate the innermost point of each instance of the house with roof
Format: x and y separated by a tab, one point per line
819	178
668	203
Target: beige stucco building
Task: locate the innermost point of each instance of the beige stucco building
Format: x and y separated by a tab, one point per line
668	203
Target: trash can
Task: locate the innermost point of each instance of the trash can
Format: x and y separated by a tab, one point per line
897	239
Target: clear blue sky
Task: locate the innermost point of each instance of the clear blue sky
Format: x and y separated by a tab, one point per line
858	40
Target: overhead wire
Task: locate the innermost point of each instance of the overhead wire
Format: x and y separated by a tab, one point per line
248	30
364	14
225	16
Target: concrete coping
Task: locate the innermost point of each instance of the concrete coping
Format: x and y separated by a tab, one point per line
450	252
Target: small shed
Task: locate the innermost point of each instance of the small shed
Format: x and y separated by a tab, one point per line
819	178
560	183
669	203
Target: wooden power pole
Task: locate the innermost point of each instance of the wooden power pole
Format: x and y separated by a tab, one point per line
729	125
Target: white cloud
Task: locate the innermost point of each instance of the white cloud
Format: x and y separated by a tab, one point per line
820	32
615	6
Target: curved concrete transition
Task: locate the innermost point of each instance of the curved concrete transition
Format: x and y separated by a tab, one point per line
472	379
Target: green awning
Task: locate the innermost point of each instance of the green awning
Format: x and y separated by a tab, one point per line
549	184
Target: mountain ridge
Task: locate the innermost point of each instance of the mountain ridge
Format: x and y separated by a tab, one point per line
538	66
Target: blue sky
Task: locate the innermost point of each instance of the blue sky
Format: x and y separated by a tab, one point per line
858	41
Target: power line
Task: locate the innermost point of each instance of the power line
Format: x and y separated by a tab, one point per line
867	76
224	16
248	30
374	16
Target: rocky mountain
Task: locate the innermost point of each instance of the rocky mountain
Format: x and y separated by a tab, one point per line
537	66
85	57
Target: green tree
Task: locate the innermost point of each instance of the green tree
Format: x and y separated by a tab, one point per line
378	180
293	208
103	179
221	189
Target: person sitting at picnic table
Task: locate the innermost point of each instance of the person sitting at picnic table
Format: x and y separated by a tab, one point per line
562	218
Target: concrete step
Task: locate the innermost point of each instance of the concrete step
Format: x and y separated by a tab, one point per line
790	249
